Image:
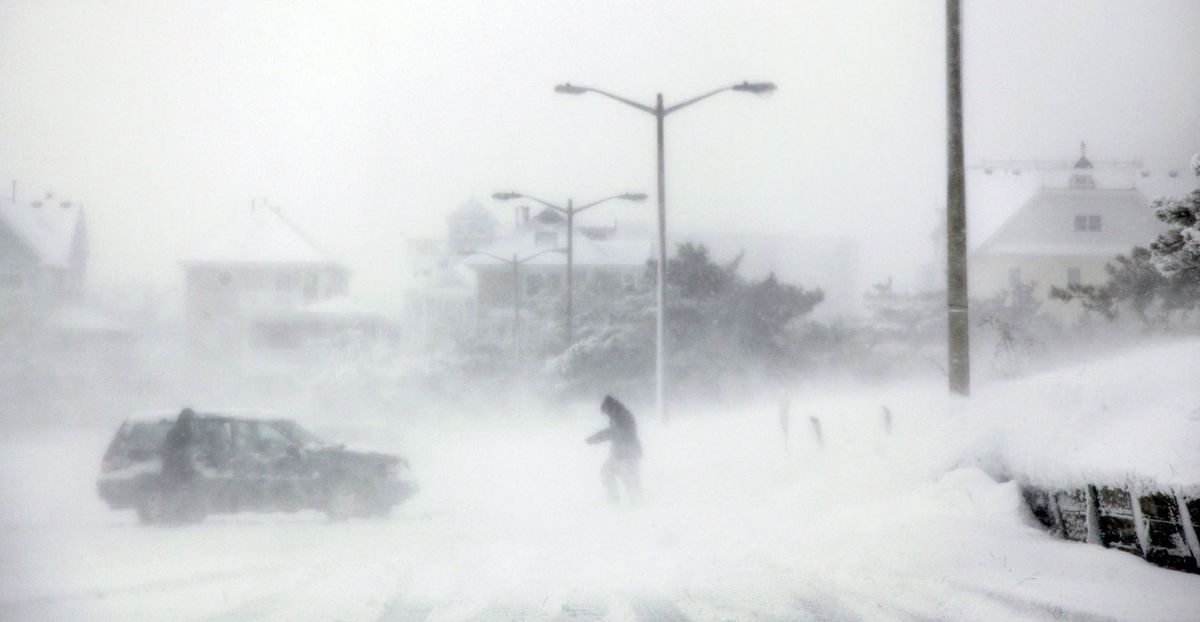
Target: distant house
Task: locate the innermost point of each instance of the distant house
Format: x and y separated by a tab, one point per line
43	256
440	300
1077	222
47	329
265	287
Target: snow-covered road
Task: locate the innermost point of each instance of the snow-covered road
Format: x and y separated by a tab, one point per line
510	525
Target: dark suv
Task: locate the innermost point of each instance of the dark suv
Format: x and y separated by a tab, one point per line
240	464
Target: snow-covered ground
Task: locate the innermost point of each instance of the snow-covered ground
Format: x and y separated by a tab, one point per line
510	523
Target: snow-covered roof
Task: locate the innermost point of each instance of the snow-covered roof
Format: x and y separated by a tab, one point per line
1046	225
49	227
264	236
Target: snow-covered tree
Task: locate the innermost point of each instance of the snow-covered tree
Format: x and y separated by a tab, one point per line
1155	283
719	325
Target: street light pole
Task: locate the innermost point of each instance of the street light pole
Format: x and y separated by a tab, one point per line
515	263
569	211
660	112
660	295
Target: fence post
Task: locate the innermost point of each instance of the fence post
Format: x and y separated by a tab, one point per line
1092	505
816	430
785	420
1189	528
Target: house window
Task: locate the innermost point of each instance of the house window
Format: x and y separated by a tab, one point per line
275	336
310	286
285	281
254	281
1014	276
1087	222
1074	276
1083	182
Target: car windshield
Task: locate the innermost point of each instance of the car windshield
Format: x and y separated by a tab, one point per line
146	437
297	434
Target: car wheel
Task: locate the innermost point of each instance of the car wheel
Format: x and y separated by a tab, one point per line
343	502
152	508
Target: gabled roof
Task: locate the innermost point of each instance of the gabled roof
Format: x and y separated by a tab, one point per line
1045	225
264	236
49	227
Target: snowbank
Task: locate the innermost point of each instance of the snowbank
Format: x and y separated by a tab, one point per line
1128	418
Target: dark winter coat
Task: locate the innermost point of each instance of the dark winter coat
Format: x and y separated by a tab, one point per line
621	431
178	449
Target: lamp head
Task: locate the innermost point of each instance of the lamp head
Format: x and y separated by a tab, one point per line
569	89
633	196
758	88
505	196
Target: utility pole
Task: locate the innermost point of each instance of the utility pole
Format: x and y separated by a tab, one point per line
959	351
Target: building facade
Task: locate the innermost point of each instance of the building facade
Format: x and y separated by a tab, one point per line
43	257
264	289
1075	224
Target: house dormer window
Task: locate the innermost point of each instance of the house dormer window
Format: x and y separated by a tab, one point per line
1087	222
1083	182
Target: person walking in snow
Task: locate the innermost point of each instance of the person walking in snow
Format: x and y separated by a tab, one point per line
178	459
621	468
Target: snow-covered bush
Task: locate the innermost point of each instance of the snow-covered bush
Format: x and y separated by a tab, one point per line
720	326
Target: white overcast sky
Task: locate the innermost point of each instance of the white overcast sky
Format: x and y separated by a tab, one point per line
368	122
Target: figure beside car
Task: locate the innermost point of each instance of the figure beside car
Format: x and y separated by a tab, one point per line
180	471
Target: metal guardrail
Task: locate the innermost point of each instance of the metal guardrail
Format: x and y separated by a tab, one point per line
1160	527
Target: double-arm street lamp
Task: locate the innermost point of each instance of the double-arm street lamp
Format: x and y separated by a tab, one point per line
660	112
515	263
569	211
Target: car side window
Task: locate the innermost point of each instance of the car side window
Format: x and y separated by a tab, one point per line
269	440
243	438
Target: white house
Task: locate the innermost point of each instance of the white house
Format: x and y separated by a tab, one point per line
263	287
43	256
1076	222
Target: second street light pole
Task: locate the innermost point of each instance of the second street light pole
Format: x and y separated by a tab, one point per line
569	211
660	113
516	266
515	263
